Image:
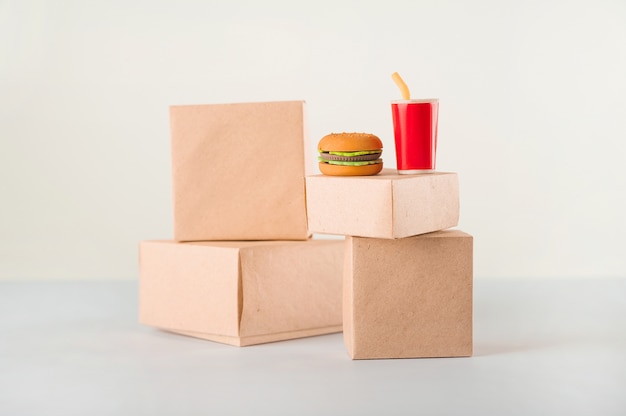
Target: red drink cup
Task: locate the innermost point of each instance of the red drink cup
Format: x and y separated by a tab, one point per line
415	132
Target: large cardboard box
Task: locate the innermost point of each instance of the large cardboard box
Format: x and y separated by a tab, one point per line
410	297
242	293
386	205
239	170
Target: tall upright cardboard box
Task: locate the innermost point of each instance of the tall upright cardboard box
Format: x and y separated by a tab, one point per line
239	171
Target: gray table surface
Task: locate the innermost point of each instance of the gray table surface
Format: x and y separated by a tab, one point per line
541	347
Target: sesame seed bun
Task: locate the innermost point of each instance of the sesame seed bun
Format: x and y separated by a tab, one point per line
349	141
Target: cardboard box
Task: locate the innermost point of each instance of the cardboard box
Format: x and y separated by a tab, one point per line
239	170
410	297
386	205
242	293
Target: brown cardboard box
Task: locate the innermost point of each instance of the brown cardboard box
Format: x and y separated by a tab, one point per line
387	205
238	171
410	297
242	293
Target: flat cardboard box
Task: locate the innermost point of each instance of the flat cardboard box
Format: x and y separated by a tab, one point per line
408	298
242	293
386	205
238	171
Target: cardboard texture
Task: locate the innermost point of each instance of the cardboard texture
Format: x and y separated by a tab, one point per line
238	171
242	293
387	205
408	298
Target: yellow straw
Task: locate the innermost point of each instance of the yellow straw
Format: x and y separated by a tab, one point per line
406	94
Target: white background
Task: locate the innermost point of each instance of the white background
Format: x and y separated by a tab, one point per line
532	116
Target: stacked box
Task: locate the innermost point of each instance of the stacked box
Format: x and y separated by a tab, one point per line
410	297
386	205
407	289
241	268
242	292
238	171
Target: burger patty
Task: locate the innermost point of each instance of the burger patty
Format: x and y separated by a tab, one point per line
328	156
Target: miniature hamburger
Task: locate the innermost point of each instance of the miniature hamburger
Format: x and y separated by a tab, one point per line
350	154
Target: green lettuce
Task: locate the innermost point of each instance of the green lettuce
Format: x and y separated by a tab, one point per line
348	163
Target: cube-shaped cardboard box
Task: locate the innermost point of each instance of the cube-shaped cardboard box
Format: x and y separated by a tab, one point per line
386	205
238	171
410	297
242	293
